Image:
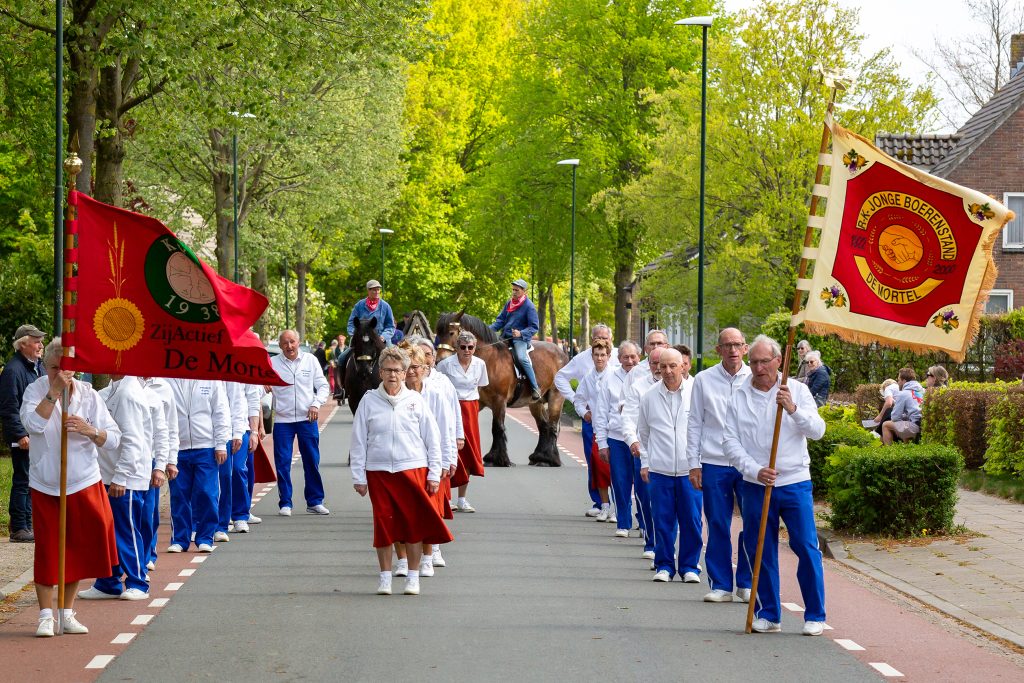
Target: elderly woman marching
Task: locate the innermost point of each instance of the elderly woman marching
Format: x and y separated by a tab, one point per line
748	436
91	549
396	458
467	373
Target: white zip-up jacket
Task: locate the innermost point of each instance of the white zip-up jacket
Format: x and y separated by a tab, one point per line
608	416
253	396
709	405
585	398
159	447
578	367
751	423
238	404
160	392
204	418
131	464
394	434
307	388
443	403
637	383
661	426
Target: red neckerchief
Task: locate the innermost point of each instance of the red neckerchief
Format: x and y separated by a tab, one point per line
513	304
372	305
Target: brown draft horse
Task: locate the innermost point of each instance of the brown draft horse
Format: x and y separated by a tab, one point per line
501	391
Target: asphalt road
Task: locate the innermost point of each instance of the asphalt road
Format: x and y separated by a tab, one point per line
533	591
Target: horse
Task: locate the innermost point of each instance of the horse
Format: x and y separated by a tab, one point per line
361	370
503	389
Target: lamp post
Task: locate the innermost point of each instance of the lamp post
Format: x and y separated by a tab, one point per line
572	254
383	231
704	23
234	182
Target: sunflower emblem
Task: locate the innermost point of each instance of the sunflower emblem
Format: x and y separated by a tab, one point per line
118	323
854	161
947	321
981	211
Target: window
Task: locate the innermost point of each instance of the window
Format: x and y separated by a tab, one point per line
1013	233
999	301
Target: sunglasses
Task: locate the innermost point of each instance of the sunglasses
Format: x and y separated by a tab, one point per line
930	375
466	348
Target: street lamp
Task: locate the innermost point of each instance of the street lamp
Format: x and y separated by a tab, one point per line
704	23
234	181
572	254
383	231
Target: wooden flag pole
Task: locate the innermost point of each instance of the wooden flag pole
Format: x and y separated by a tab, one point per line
798	296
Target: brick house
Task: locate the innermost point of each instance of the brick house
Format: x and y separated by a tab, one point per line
986	154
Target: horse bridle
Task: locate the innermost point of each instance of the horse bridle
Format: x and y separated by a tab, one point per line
458	326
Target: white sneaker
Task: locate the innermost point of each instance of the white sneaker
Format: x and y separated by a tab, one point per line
691	577
205	548
412	586
151	565
426	568
612	518
231	527
175	548
242	527
438	560
653	567
622	533
647	554
464	506
384	587
602	516
220	537
95	593
285	512
662	576
743	595
718	595
593	512
72	625
401	568
45	628
765	626
318	510
814	628
253	519
134	594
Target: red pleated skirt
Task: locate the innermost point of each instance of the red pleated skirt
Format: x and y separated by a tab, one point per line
471	458
403	511
90	547
443	499
600	471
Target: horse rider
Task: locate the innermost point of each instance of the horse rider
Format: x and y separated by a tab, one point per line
518	322
373	306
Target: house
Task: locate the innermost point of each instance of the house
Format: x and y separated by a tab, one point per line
986	154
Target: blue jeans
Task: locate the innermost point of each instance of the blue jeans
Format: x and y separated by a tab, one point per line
795	505
308	435
676	506
519	347
131	555
20	505
721	485
194	497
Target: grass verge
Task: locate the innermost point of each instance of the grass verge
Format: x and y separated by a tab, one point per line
1003	485
6	472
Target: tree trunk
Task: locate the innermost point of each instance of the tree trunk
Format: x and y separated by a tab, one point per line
301	269
542	306
585	323
623	277
554	319
82	109
110	146
220	146
261	283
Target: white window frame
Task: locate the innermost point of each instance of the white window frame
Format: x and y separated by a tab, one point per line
1008	293
1006	233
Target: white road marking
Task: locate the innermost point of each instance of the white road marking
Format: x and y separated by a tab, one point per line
186	572
122	639
159	602
827	627
793	607
885	669
99	662
849	644
142	619
199	559
173	586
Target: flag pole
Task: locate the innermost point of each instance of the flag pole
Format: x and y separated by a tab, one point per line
798	295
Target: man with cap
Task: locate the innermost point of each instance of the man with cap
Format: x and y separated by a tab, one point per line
518	322
23	369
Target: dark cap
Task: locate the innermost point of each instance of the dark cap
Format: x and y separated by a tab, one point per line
521	283
28	331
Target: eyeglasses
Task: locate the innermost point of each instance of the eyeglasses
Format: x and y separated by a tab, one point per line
466	348
392	371
732	346
415	367
761	361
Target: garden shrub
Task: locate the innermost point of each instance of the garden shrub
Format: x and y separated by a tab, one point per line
868	398
901	490
838	432
957	415
1010	360
1005	432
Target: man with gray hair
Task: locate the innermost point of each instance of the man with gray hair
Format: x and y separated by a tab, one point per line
23	369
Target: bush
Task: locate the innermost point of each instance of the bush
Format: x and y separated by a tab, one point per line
957	415
1010	360
902	490
868	398
1005	432
838	433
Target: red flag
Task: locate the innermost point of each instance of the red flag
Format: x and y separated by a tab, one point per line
262	465
147	306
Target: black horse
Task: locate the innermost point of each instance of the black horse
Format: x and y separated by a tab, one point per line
361	370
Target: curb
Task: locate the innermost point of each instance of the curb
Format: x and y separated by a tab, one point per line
16	585
833	548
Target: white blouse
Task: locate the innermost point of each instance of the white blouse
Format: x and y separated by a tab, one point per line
466	382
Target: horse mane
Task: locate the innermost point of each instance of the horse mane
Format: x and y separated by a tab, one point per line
469	323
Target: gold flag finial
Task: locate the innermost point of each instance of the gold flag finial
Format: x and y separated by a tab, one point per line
73	164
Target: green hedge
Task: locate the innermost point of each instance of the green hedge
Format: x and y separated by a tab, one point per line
901	490
957	415
1005	432
837	433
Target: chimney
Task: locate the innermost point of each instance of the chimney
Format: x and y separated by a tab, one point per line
1016	51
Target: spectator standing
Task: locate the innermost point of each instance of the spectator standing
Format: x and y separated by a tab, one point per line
818	377
23	369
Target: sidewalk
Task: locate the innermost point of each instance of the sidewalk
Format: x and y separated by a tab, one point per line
977	580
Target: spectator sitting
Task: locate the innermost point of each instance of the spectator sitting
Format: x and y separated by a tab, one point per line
906	412
888	391
818	377
936	378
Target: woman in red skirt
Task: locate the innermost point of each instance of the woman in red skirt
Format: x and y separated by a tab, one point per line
396	458
90	548
468	373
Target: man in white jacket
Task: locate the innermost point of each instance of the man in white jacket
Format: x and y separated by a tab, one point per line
633	389
296	411
126	472
710	470
204	427
232	472
675	504
750	427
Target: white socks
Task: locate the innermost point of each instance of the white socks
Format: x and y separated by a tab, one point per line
414	575
45	614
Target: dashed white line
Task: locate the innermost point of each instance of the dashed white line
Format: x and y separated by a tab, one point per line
186	572
827	627
885	669
122	639
174	586
199	559
142	619
793	607
847	644
99	662
159	602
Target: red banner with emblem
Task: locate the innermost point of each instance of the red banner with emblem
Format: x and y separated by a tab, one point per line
904	257
144	304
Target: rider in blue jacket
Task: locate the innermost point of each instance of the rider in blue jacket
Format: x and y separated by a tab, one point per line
518	321
373	306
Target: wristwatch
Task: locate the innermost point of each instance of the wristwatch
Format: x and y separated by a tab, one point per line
51	399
